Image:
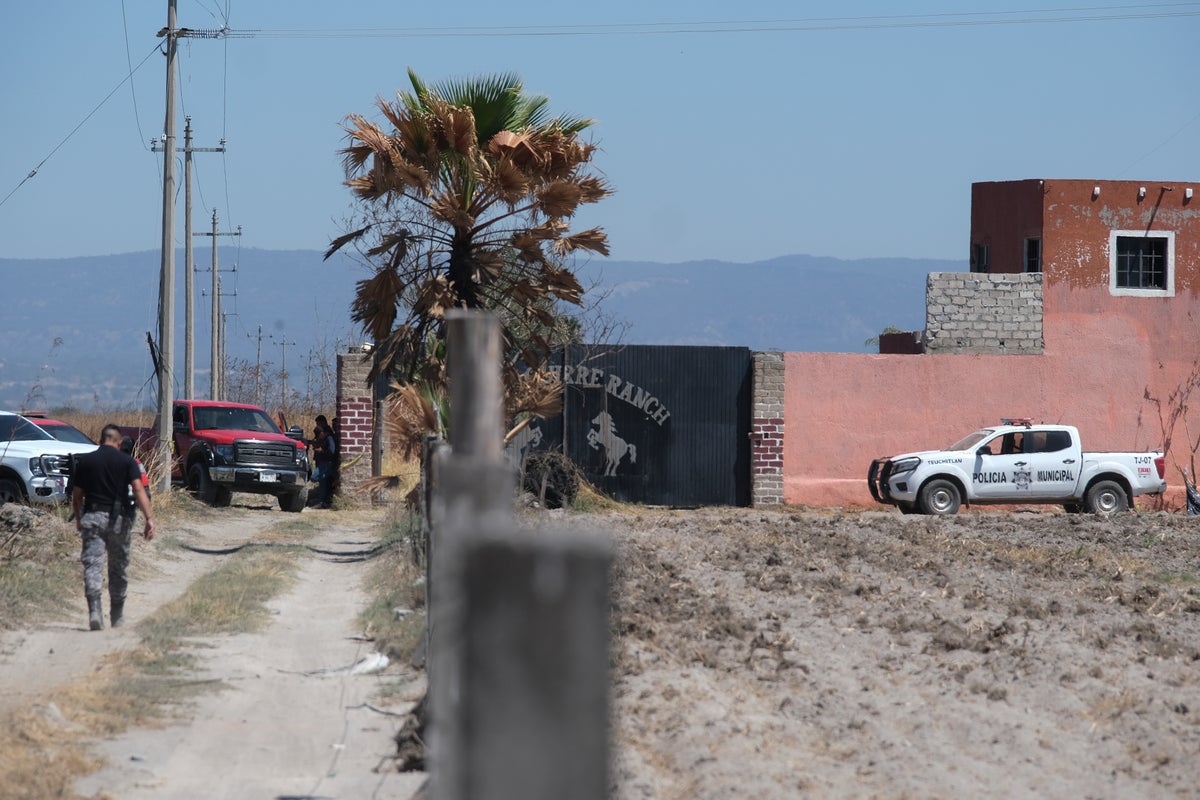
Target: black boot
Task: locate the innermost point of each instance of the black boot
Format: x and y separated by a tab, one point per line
95	612
117	612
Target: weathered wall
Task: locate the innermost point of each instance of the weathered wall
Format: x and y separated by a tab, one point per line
966	312
844	410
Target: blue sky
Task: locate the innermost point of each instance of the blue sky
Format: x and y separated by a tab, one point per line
775	130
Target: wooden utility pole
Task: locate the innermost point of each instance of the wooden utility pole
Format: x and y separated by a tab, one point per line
166	285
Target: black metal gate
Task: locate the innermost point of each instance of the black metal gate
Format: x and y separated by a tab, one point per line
657	425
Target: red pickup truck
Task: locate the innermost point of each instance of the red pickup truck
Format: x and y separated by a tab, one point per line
220	448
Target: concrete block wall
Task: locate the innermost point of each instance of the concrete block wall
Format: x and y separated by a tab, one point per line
356	414
766	431
968	312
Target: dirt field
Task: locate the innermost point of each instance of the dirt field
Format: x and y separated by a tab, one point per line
757	654
998	654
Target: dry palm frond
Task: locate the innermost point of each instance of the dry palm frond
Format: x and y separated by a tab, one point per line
592	189
411	413
448	208
396	239
434	296
592	239
537	393
375	302
507	180
343	240
563	284
559	199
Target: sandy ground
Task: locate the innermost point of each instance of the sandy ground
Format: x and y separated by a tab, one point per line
291	721
826	655
756	654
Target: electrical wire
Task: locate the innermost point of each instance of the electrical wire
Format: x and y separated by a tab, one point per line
1159	146
132	91
75	130
805	24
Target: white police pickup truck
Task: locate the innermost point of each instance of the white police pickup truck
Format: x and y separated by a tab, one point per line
1016	462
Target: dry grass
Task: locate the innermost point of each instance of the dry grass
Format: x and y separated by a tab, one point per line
395	582
39	567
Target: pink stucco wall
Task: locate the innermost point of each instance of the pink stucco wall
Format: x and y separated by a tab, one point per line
843	410
1106	359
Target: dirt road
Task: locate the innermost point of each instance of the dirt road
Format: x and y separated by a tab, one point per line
292	718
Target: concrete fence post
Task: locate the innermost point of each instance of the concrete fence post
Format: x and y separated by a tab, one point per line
518	644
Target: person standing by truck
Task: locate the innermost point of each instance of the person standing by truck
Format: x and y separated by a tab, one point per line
100	483
324	443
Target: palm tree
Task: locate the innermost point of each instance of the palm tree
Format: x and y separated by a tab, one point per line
465	203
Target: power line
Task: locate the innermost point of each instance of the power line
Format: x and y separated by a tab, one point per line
804	24
129	63
74	130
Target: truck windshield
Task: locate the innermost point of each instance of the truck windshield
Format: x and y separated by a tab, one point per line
969	442
234	419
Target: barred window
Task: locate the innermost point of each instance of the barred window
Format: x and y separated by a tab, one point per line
1142	263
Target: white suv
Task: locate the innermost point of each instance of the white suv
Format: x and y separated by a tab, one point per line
34	466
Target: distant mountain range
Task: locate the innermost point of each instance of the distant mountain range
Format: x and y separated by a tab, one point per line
74	330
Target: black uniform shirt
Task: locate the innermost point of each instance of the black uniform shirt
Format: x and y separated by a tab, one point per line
104	475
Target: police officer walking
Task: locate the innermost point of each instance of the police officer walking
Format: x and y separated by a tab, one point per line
100	483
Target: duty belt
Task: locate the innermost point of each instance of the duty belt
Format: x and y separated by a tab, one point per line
113	508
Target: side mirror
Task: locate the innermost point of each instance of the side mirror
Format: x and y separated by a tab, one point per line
984	451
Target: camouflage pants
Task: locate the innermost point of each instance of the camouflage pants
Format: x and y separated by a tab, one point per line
99	539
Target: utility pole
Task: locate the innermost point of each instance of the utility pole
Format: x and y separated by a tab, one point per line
283	344
215	343
189	323
221	346
258	369
166	285
165	364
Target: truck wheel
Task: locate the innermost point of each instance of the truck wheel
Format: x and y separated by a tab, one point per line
200	484
10	492
222	496
940	497
294	502
1106	497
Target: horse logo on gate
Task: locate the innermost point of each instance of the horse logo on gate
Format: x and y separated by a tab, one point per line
615	448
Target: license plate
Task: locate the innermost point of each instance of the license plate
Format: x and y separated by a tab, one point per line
267	477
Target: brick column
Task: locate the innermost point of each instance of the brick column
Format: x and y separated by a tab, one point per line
356	415
766	430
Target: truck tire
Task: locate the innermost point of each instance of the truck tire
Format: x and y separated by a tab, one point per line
294	502
940	497
1106	497
201	485
10	492
222	496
